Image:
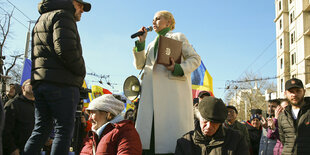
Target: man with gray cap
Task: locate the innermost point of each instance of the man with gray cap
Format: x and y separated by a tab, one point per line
110	133
294	121
57	73
209	136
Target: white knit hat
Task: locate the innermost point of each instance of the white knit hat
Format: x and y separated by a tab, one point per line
107	103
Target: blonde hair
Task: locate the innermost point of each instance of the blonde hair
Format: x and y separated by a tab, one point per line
168	16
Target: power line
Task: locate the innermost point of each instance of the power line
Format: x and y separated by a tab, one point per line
14	18
258	56
19	10
266	63
286	28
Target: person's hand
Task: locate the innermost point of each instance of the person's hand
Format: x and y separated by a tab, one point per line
15	152
49	142
264	122
270	123
171	67
278	110
142	37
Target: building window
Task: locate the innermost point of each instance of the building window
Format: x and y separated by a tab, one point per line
280	5
292	37
280	24
281	63
293	58
281	85
281	44
292	17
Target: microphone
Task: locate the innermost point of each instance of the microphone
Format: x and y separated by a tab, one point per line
150	28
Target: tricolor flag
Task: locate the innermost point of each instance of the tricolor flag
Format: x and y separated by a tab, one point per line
201	80
26	71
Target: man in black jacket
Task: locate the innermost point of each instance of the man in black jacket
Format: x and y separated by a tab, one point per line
57	73
19	120
209	136
294	121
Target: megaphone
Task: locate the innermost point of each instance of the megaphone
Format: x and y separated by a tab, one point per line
132	88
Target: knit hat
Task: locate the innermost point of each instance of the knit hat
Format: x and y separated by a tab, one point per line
255	116
213	109
107	103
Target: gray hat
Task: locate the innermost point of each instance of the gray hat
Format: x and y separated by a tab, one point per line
213	109
87	6
107	103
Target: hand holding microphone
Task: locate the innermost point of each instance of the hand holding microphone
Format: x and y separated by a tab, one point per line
141	32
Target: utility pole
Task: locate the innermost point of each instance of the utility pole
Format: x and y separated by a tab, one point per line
28	40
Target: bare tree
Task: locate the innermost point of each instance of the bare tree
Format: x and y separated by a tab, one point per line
248	93
5	24
9	65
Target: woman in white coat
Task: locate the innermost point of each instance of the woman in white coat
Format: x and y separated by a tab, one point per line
166	97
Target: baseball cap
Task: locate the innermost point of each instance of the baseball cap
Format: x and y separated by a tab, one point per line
293	83
87	6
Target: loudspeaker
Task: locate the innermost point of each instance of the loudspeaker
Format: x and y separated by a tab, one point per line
132	87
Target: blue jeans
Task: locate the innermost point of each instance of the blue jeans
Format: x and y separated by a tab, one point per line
53	103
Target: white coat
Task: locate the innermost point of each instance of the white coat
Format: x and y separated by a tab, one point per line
166	97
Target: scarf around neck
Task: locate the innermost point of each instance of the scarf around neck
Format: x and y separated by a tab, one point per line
162	32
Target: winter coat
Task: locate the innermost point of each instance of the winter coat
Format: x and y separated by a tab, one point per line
266	145
274	134
255	135
166	97
241	128
18	124
225	141
120	138
295	134
56	50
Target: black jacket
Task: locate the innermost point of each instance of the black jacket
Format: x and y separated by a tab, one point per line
224	141
18	124
56	49
255	136
295	134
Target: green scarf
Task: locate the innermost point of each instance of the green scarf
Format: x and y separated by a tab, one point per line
162	32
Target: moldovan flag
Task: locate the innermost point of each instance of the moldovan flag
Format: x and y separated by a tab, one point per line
201	80
97	91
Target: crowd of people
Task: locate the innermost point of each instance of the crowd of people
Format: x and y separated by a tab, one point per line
105	129
42	116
